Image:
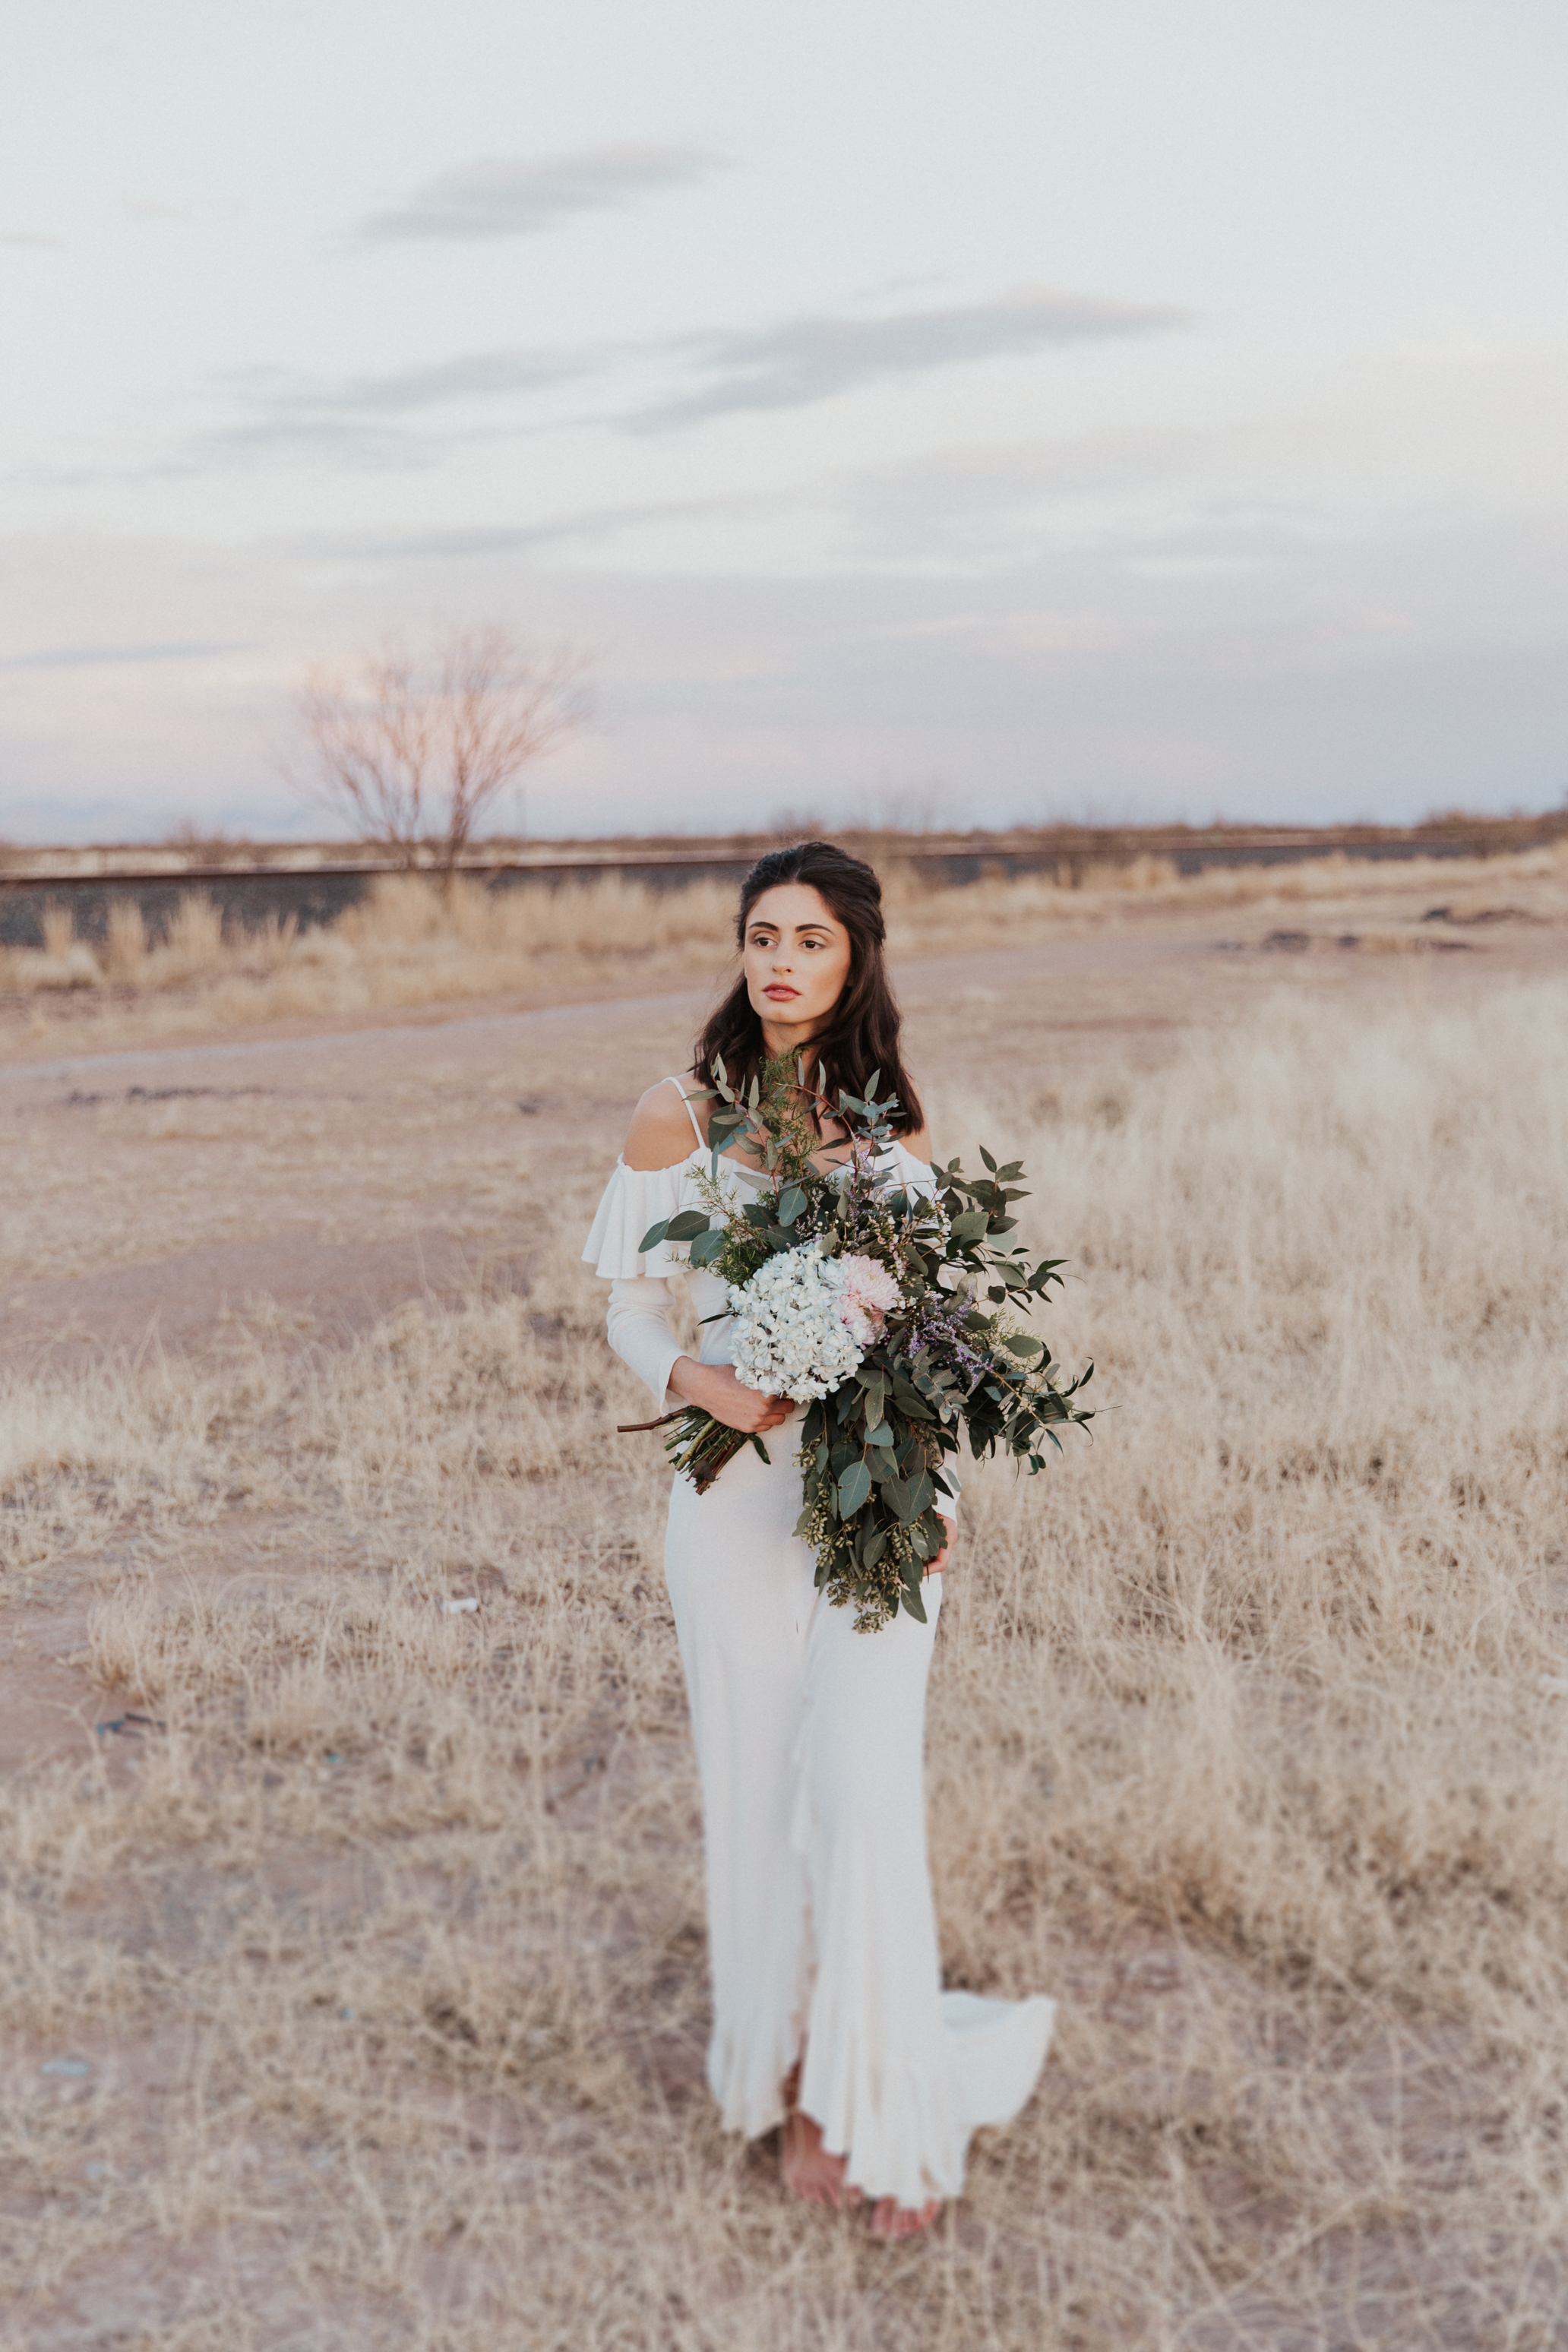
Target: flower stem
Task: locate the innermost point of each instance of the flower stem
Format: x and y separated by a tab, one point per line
699	1446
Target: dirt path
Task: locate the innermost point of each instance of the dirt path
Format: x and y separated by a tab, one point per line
153	1191
310	1184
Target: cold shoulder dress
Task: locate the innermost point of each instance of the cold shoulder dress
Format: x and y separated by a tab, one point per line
809	1740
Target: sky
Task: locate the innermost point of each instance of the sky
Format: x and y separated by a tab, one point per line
977	415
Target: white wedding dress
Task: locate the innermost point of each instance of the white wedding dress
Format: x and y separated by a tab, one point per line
810	1751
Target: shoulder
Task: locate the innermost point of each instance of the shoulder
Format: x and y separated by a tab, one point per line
660	1135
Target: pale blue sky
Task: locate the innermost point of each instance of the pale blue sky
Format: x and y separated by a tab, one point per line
1009	411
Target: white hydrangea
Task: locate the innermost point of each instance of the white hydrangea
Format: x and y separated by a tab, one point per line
790	1337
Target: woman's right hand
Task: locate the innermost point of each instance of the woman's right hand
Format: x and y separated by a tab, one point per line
715	1388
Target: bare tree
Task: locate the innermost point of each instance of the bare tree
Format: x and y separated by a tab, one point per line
501	709
413	754
371	740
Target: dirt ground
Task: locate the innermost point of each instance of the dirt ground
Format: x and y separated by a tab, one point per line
304	1184
325	1176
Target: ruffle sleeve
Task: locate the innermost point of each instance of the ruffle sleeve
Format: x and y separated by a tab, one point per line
635	1199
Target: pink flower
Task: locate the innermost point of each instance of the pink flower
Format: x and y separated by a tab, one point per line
866	1292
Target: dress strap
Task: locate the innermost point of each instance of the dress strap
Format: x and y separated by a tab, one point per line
680	1085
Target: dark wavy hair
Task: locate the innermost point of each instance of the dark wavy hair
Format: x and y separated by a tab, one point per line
862	1033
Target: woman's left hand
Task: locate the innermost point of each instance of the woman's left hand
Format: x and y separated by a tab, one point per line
935	1567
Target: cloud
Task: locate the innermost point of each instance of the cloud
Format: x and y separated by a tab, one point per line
488	540
343	444
810	359
357	425
102	657
386	423
30	236
519	196
365	425
476	375
987	497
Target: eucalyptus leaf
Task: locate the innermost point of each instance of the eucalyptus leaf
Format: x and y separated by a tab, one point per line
854	1488
874	1451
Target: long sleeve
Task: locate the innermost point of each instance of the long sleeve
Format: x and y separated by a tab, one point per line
640	1334
635	1200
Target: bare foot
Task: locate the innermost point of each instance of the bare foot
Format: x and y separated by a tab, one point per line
809	2172
891	2220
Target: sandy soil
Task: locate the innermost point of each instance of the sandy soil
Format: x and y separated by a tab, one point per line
335	1169
306	1184
316	1181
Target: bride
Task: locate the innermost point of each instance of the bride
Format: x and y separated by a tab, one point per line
828	2012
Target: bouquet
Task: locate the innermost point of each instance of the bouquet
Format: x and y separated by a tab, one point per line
893	1315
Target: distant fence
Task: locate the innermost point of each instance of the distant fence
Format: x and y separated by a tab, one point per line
251	895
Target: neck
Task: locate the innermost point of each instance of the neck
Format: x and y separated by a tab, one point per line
788	1037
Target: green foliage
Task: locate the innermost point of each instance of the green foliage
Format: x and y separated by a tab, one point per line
872	1454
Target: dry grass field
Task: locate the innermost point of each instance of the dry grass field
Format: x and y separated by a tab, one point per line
352	1993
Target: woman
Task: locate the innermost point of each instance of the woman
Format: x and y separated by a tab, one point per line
828	2012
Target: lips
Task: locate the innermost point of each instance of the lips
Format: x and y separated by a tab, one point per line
781	993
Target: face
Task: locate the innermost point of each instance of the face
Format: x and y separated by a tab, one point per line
797	960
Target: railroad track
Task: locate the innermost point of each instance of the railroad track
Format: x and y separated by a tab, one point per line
315	889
